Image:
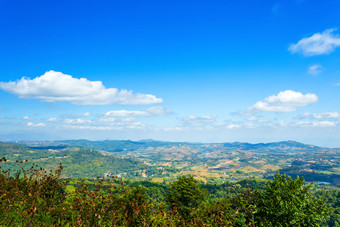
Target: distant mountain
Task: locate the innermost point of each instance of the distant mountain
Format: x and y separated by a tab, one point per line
128	145
273	146
119	145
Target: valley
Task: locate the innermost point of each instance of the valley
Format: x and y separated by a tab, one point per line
159	161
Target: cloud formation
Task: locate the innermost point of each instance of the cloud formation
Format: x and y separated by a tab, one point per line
233	126
323	115
56	86
112	126
28	118
76	121
195	121
97	124
152	111
52	119
30	124
285	101
317	44
315	69
320	124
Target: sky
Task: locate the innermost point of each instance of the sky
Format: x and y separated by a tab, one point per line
196	71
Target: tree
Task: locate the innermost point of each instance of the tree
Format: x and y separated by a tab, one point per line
185	194
289	202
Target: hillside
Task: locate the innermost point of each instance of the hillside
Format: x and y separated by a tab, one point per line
159	160
77	161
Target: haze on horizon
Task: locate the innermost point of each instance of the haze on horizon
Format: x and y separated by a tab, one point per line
173	71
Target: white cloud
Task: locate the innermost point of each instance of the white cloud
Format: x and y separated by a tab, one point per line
87	127
176	129
87	114
320	124
127	113
112	119
282	123
152	111
315	69
285	101
256	119
101	124
252	118
30	124
128	119
304	115
112	126
69	120
232	126
317	44
249	125
107	119
77	121
158	110
28	118
135	125
198	121
52	119
323	115
56	86
326	115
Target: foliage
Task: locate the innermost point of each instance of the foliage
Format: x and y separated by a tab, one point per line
289	202
35	197
332	199
184	195
30	195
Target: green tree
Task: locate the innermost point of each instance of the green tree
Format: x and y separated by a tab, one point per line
289	202
184	195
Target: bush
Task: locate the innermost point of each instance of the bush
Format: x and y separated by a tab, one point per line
35	197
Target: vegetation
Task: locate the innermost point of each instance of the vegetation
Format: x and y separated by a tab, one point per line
37	197
77	161
287	201
157	161
185	195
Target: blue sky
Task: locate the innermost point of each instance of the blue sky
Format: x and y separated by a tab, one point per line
207	71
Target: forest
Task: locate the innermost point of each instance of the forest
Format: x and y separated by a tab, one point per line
34	196
150	183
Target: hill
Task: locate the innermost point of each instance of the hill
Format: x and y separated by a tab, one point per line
159	160
77	161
